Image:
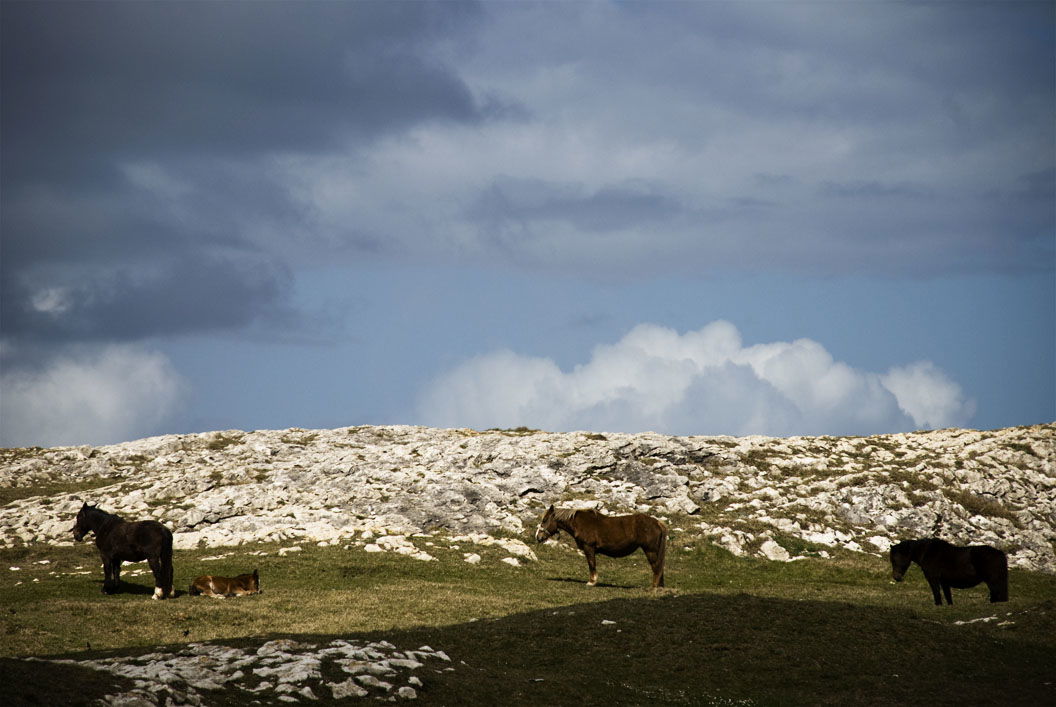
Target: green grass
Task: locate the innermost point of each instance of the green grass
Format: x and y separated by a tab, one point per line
980	505
727	630
17	493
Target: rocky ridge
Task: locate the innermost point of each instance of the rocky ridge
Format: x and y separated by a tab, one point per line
397	489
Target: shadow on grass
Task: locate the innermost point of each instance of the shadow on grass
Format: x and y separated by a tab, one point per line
124	587
603	585
705	649
47	684
712	649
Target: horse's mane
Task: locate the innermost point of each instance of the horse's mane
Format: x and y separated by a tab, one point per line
96	510
564	514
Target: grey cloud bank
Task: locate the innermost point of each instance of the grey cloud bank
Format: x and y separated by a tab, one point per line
176	175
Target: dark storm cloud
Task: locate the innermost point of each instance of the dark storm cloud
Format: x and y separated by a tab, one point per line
88	83
135	139
192	293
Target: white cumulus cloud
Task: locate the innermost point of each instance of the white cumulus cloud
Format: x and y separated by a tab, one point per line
110	395
928	395
700	382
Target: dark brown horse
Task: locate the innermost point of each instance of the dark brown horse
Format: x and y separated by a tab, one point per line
120	541
613	536
947	566
221	587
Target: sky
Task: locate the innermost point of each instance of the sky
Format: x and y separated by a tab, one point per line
775	218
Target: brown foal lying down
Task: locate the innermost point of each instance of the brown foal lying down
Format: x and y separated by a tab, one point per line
221	587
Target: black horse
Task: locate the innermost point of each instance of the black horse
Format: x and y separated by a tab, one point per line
947	566
120	541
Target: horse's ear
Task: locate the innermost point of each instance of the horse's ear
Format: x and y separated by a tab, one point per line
550	508
255	575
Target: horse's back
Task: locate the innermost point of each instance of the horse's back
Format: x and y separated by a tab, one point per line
138	540
152	534
964	567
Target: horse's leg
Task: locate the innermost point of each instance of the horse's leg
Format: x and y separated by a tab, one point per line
656	562
157	568
935	590
115	576
107	574
588	550
166	562
946	591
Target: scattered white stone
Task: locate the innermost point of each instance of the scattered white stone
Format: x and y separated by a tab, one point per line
606	622
772	551
371	681
348	688
283	551
292	669
880	542
511	561
472	558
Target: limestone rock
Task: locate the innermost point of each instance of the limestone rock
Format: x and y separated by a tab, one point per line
772	551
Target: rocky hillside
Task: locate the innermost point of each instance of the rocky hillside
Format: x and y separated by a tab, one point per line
403	488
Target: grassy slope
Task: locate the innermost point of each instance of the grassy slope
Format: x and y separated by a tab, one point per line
727	630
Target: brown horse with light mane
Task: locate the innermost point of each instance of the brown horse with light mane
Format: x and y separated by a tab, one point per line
613	536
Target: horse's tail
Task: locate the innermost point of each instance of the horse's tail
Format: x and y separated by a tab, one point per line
999	584
662	552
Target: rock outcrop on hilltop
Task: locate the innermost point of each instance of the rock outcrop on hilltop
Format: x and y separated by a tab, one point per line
773	497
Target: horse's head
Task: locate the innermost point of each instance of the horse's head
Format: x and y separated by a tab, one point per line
901	557
547	526
254	582
81	527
